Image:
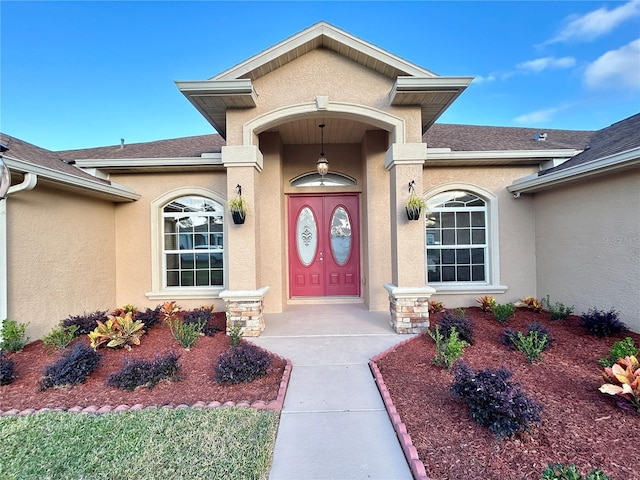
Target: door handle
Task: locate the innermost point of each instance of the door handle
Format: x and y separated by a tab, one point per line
320	259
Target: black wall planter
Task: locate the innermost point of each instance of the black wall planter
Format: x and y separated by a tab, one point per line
238	217
413	213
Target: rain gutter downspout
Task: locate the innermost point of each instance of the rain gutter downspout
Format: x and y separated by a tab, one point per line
29	182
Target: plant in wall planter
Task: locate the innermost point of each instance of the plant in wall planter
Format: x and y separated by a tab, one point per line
238	207
415	204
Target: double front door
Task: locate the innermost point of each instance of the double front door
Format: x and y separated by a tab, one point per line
324	245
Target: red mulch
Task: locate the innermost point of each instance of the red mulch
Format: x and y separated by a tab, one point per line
197	384
579	424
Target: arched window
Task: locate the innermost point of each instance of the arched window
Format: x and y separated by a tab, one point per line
457	238
193	242
331	179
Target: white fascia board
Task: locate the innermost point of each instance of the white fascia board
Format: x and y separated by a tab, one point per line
206	160
443	154
241	86
113	191
428	84
309	35
622	160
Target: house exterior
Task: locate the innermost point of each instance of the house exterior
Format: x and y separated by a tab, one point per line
512	212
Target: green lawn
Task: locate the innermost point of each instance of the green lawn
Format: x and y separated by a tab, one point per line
221	443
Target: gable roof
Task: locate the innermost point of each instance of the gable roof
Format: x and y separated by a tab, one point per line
50	167
616	138
233	88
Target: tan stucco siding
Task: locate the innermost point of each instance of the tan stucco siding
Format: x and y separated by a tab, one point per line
516	238
588	245
322	73
133	230
60	257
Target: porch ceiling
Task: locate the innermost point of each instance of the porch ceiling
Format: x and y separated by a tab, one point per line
306	131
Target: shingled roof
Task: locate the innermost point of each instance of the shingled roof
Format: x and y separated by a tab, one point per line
484	138
27	152
171	148
616	138
455	137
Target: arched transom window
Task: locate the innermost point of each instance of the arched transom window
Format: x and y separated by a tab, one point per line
457	238
193	242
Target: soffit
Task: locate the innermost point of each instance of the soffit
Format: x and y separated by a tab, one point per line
306	131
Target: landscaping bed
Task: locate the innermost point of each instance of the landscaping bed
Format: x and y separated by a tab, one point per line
196	384
580	425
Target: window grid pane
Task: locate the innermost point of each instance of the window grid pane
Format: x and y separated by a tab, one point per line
193	246
456	248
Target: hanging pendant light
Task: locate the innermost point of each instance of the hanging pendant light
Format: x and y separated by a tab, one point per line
322	164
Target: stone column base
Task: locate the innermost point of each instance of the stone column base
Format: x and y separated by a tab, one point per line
245	308
409	308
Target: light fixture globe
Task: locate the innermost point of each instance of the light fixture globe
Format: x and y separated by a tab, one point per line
5	179
322	164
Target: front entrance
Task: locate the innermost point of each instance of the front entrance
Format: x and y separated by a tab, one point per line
324	245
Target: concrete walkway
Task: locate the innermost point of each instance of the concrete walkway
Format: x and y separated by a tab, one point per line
333	424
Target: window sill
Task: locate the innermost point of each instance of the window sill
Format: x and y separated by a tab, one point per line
473	289
185	293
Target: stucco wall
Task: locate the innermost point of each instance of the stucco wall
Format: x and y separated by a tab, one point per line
588	245
61	257
322	73
133	231
516	238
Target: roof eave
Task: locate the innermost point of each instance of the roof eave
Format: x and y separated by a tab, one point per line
204	162
609	164
438	157
212	98
433	94
112	191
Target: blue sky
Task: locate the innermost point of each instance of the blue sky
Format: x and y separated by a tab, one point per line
84	74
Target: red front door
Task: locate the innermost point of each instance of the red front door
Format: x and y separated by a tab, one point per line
324	245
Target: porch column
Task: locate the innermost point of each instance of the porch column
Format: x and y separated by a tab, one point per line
408	293
243	164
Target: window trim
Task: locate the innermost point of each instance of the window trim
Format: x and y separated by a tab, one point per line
158	290
492	285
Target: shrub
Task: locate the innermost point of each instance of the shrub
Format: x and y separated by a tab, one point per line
435	307
620	349
602	324
59	337
532	344
186	334
448	349
122	311
169	310
503	312
73	368
494	401
557	311
457	320
532	303
13	336
486	303
210	329
508	334
201	316
7	371
117	332
149	317
235	335
137	373
623	380
86	322
570	472
243	363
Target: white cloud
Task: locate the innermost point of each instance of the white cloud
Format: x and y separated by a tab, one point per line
482	79
540	64
616	68
538	117
596	23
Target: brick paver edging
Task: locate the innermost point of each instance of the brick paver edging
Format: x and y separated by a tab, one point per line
411	454
258	404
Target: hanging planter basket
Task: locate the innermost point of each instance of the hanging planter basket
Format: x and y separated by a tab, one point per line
238	217
413	213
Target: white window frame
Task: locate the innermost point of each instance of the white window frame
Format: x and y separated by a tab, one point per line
159	290
492	262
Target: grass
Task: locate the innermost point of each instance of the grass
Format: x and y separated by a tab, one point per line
221	443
